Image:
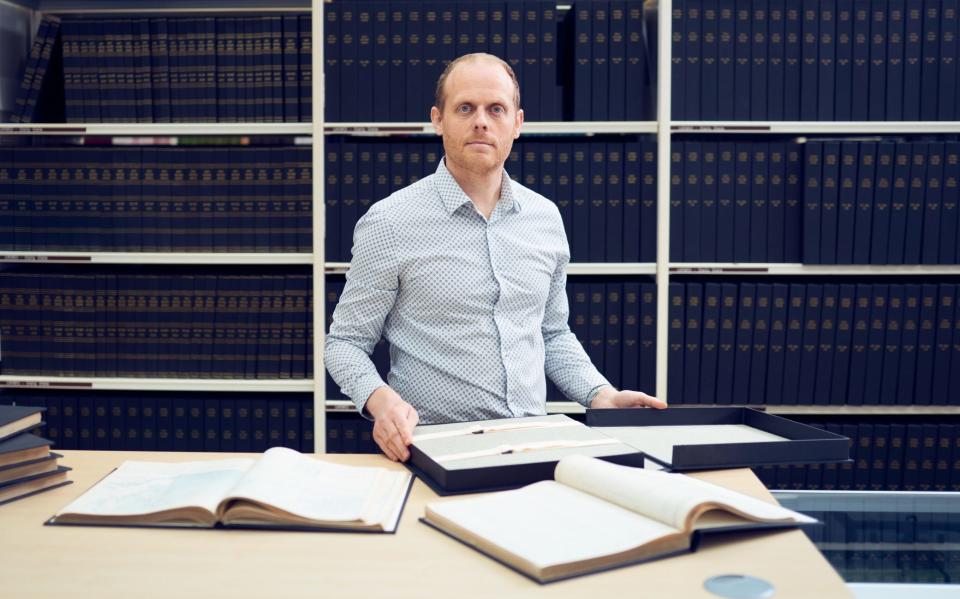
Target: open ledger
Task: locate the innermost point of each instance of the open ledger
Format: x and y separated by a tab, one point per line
596	515
283	489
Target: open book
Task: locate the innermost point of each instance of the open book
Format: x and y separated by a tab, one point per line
596	516
282	489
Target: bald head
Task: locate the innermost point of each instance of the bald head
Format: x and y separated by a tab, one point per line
440	95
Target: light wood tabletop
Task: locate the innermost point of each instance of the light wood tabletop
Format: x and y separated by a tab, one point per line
417	561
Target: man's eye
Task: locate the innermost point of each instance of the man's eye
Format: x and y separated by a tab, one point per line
497	110
464	108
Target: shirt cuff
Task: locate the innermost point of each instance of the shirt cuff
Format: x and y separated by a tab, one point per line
364	388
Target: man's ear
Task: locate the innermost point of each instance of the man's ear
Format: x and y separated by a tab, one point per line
435	119
519	123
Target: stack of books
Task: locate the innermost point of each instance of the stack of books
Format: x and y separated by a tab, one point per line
27	466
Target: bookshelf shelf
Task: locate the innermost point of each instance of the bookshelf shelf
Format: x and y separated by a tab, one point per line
529	128
146	130
816	128
576	268
863	410
154	384
152	6
762	269
153	258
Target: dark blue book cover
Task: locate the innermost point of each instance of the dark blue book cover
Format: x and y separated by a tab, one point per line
866	192
943	349
793	66
878	59
947	109
632	206
709	343
726	175
810	344
600	55
892	346
882	196
363	94
432	32
349	60
551	78
863	453
397	68
761	343
692	56
726	61
727	348
954	390
812	178
860	93
896	19
950	204
637	71
648	201
274	423
709	23
117	427
759	86
691	343
708	203
776	45
615	208
898	203
913	59
678	62
463	36
843	61
564	190
777	344
228	425
583	61
875	344
691	202
29	71
292	423
258	424
613	338
842	344
416	111
598	204
210	419
349	208
930	67
810	67
776	203
909	347
741	204
648	338
933	205
307	438
742	68
630	338
675	354
676	201
596	325
580	209
826	344
794	344
616	59
913	236
829	196
746	308
759	200
826	58
794	206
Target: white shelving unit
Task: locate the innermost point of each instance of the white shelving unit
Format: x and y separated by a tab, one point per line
816	127
154	384
154	258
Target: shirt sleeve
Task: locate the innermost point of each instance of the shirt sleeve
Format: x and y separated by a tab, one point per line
565	361
367	298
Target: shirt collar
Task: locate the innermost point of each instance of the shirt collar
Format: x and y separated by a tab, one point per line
453	196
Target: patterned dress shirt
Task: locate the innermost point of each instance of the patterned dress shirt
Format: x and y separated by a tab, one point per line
475	310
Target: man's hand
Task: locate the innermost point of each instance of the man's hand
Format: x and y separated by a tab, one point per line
393	422
608	397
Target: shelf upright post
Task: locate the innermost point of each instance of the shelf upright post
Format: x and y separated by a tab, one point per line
319	224
663	190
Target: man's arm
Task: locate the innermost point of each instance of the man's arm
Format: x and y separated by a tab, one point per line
569	366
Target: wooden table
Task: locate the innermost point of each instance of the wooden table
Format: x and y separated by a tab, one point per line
60	561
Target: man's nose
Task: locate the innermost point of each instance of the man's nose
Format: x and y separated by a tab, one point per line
480	120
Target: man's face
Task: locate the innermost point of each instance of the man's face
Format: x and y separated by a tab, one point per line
479	121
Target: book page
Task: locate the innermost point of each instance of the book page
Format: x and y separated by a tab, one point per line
673	499
546	524
658	441
319	490
137	488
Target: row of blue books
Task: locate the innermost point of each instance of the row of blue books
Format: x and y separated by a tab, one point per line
120	323
588	62
605	189
156	199
814	60
888	454
813	344
122	69
886	202
34	85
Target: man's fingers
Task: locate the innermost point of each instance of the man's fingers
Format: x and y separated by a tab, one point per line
394	426
383	441
653	402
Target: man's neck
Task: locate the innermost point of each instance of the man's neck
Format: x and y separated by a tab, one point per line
483	189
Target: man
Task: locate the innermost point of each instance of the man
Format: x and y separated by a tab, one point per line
464	273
